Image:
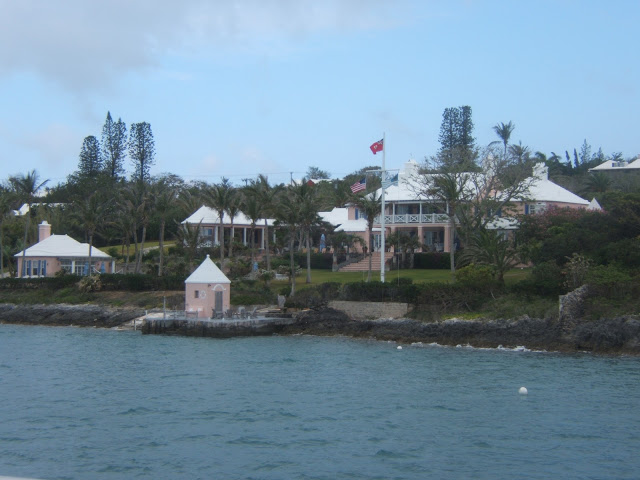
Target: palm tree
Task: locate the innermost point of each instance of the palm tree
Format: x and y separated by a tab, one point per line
253	209
165	197
306	195
188	240
520	152
370	206
488	247
288	214
449	188
268	197
232	210
597	182
27	187
504	130
5	208
218	198
90	213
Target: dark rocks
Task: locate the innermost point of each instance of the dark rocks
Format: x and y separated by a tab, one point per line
620	335
64	315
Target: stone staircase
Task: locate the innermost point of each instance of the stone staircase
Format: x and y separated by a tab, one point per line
363	265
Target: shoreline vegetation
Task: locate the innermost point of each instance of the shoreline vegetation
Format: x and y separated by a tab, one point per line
616	336
601	317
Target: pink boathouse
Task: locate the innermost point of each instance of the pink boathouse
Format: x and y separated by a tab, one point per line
207	290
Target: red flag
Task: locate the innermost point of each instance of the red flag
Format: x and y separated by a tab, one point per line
377	147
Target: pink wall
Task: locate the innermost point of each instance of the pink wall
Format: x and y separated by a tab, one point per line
205	300
54	265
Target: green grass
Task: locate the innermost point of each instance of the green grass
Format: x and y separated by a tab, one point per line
417	275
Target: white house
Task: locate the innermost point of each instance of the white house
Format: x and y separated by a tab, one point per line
209	222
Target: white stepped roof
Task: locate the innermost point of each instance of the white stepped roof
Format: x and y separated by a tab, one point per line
544	190
63	246
209	216
207	272
541	190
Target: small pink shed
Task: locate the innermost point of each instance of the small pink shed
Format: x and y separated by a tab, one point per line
207	290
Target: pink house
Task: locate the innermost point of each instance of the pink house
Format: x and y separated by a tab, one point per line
54	253
427	219
207	290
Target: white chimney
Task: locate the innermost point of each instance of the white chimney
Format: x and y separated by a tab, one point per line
44	230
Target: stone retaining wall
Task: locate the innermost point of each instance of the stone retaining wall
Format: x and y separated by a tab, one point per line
371	310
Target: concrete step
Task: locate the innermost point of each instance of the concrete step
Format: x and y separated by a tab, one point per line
363	265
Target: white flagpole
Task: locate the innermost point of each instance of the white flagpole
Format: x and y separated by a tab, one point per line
382	247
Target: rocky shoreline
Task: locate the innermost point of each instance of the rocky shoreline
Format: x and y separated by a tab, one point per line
606	336
68	315
619	335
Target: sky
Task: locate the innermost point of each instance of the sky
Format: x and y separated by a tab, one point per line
237	88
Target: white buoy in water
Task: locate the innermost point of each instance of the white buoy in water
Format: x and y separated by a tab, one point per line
523	391
399	347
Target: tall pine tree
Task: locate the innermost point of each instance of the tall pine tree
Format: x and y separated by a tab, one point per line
457	144
114	146
142	151
89	164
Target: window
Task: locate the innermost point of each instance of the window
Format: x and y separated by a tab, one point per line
533	208
196	294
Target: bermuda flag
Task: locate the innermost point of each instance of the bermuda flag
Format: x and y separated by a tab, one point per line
377	147
359	186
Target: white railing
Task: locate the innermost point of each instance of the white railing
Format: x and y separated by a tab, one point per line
414	218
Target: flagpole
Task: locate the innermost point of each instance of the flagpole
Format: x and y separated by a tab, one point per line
382	227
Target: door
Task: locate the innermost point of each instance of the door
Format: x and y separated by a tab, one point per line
218	302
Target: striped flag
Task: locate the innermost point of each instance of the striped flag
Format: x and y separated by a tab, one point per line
359	186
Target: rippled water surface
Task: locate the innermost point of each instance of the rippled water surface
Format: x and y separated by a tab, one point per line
90	403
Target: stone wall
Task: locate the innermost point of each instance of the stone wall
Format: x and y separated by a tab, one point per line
370	310
571	307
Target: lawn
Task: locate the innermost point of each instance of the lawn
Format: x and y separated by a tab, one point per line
417	275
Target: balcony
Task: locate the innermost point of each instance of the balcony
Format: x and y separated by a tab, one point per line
413	218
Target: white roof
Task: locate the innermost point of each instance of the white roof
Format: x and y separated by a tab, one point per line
207	272
594	205
617	165
62	246
544	190
339	218
208	216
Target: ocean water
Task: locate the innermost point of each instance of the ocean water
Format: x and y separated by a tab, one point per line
100	404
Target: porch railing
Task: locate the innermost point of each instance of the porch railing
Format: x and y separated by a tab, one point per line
414	218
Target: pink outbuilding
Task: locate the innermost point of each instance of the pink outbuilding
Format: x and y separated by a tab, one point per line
207	290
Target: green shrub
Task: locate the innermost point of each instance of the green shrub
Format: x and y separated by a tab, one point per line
546	279
432	260
314	297
321	261
475	276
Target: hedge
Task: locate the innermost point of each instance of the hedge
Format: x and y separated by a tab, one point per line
432	260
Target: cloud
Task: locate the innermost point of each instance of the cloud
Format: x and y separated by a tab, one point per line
85	45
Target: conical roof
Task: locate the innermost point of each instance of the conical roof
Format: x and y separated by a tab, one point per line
207	272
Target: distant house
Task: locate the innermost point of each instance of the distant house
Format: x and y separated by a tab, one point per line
210	234
427	218
207	290
618	166
54	253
